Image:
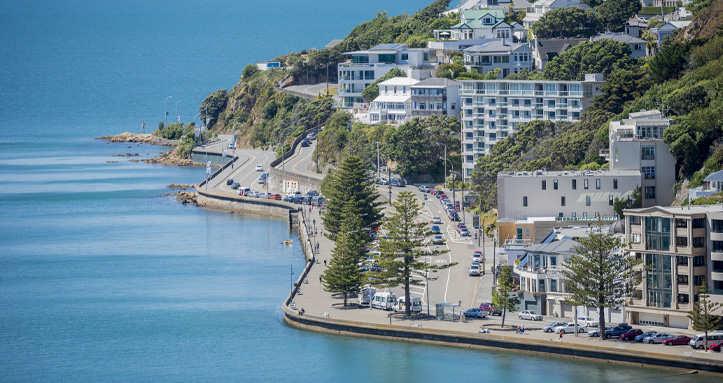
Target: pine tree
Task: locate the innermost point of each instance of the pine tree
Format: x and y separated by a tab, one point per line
503	296
351	184
402	254
600	273
702	314
344	274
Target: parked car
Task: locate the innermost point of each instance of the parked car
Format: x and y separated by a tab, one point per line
658	338
716	346
618	330
677	341
381	181
588	322
464	233
265	195
569	328
235	185
698	341
492	310
639	338
424	189
454	217
529	315
276	197
474	270
435	229
312	193
259	168
397	182
596	331
229	181
551	327
434	192
630	335
477	256
461	226
438	239
475	312
436	220
289	198
252	194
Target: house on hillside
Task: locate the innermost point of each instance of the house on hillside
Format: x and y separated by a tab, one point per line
544	50
435	97
503	54
712	184
538	9
393	105
637	45
482	24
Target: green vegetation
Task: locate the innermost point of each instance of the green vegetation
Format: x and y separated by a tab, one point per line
714	199
635	200
503	296
654	10
696	6
568	22
602	56
402	255
343	274
702	315
614	13
600	273
372	91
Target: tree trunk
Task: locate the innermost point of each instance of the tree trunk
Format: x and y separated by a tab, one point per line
345	299
504	311
601	320
407	299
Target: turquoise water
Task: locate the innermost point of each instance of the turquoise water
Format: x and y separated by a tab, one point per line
103	278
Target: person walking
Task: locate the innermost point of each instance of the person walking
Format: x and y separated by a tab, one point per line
561	335
324	262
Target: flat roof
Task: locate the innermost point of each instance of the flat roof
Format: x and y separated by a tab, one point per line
679	210
569	173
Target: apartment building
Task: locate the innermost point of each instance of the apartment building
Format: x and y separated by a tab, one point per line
491	109
369	65
435	97
680	247
509	57
636	143
393	105
563	194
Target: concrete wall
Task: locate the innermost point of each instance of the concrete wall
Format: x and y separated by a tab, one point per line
281	182
243	204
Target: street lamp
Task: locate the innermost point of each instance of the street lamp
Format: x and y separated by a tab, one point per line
454	201
178	118
379	171
165	106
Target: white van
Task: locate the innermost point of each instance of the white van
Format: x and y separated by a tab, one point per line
243	191
698	341
416	306
365	294
384	301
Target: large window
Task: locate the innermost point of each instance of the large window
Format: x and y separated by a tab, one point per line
562	201
698	242
647	153
717	246
387	58
650	192
611	200
648	172
597	183
587	200
681	222
524	201
657	233
717	226
659	280
574	184
554	184
634	220
681	241
699	223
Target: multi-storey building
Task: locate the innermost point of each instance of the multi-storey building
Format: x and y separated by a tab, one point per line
563	194
491	109
393	105
636	143
435	96
680	248
503	54
369	65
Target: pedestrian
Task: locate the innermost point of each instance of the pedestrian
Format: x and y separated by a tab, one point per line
317	250
319	278
314	231
324	262
314	221
561	335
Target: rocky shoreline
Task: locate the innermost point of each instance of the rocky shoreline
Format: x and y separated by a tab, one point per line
139	138
168	158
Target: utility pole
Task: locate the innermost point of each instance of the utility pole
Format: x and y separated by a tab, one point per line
379	171
389	177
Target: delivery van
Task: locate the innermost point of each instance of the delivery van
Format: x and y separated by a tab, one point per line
416	306
384	301
698	341
366	294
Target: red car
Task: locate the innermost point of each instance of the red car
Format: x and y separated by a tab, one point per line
716	346
276	197
492	310
434	191
677	341
630	335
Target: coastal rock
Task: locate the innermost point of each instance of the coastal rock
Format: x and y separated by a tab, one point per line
187	198
125	155
180	186
139	138
170	160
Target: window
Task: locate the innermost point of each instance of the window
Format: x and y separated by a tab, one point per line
716	226
683	298
682	261
544	184
681	241
597	183
698	223
524	201
699	260
635	237
717	246
426	56
574	214
587	200
553	285
554	184
560	215
611	200
679	222
698	280
657	233
648	172
574	184
634	219
650	192
562	201
647	153
682	279
405	56
717	266
615	183
659	280
584	214
585	184
698	241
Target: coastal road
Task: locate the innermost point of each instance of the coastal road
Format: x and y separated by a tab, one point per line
244	171
310	91
302	162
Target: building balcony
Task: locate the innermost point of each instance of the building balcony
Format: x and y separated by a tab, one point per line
429	98
349	92
716	276
716	256
426	112
683	289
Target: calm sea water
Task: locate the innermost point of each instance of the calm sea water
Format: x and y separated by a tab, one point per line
102	278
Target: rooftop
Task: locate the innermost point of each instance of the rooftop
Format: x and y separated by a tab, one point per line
404	81
434	82
572	173
497	45
715	177
677	210
564	246
555	45
621	37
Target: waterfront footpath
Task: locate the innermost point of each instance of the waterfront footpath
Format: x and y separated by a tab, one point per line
324	312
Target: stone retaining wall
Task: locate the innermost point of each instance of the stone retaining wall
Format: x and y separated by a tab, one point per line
245	204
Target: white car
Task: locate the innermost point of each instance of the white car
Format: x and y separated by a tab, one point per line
265	195
436	220
259	168
529	315
438	239
474	270
570	328
252	194
587	322
658	338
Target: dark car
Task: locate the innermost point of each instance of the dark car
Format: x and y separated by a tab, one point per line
475	312
677	341
229	181
630	335
397	182
306	200
289	198
312	193
305	142
435	229
235	185
618	330
454	217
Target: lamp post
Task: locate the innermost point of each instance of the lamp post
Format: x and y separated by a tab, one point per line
454	201
165	106
178	118
379	171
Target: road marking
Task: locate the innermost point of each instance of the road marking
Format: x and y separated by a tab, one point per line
297	164
474	295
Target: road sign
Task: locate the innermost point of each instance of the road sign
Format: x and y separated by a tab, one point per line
475	221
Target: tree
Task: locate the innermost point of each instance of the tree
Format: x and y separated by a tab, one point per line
602	56
248	71
351	185
567	22
402	254
621	87
702	315
504	296
633	201
600	273
372	91
212	106
614	13
343	274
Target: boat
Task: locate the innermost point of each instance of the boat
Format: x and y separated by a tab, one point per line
288	242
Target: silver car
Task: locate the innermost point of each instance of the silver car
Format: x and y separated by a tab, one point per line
658	338
551	327
529	315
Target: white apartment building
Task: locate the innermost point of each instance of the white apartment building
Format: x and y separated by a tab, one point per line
491	109
636	143
393	105
563	194
509	57
681	247
435	96
369	65
538	9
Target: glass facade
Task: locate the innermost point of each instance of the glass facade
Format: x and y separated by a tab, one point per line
659	280
657	233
